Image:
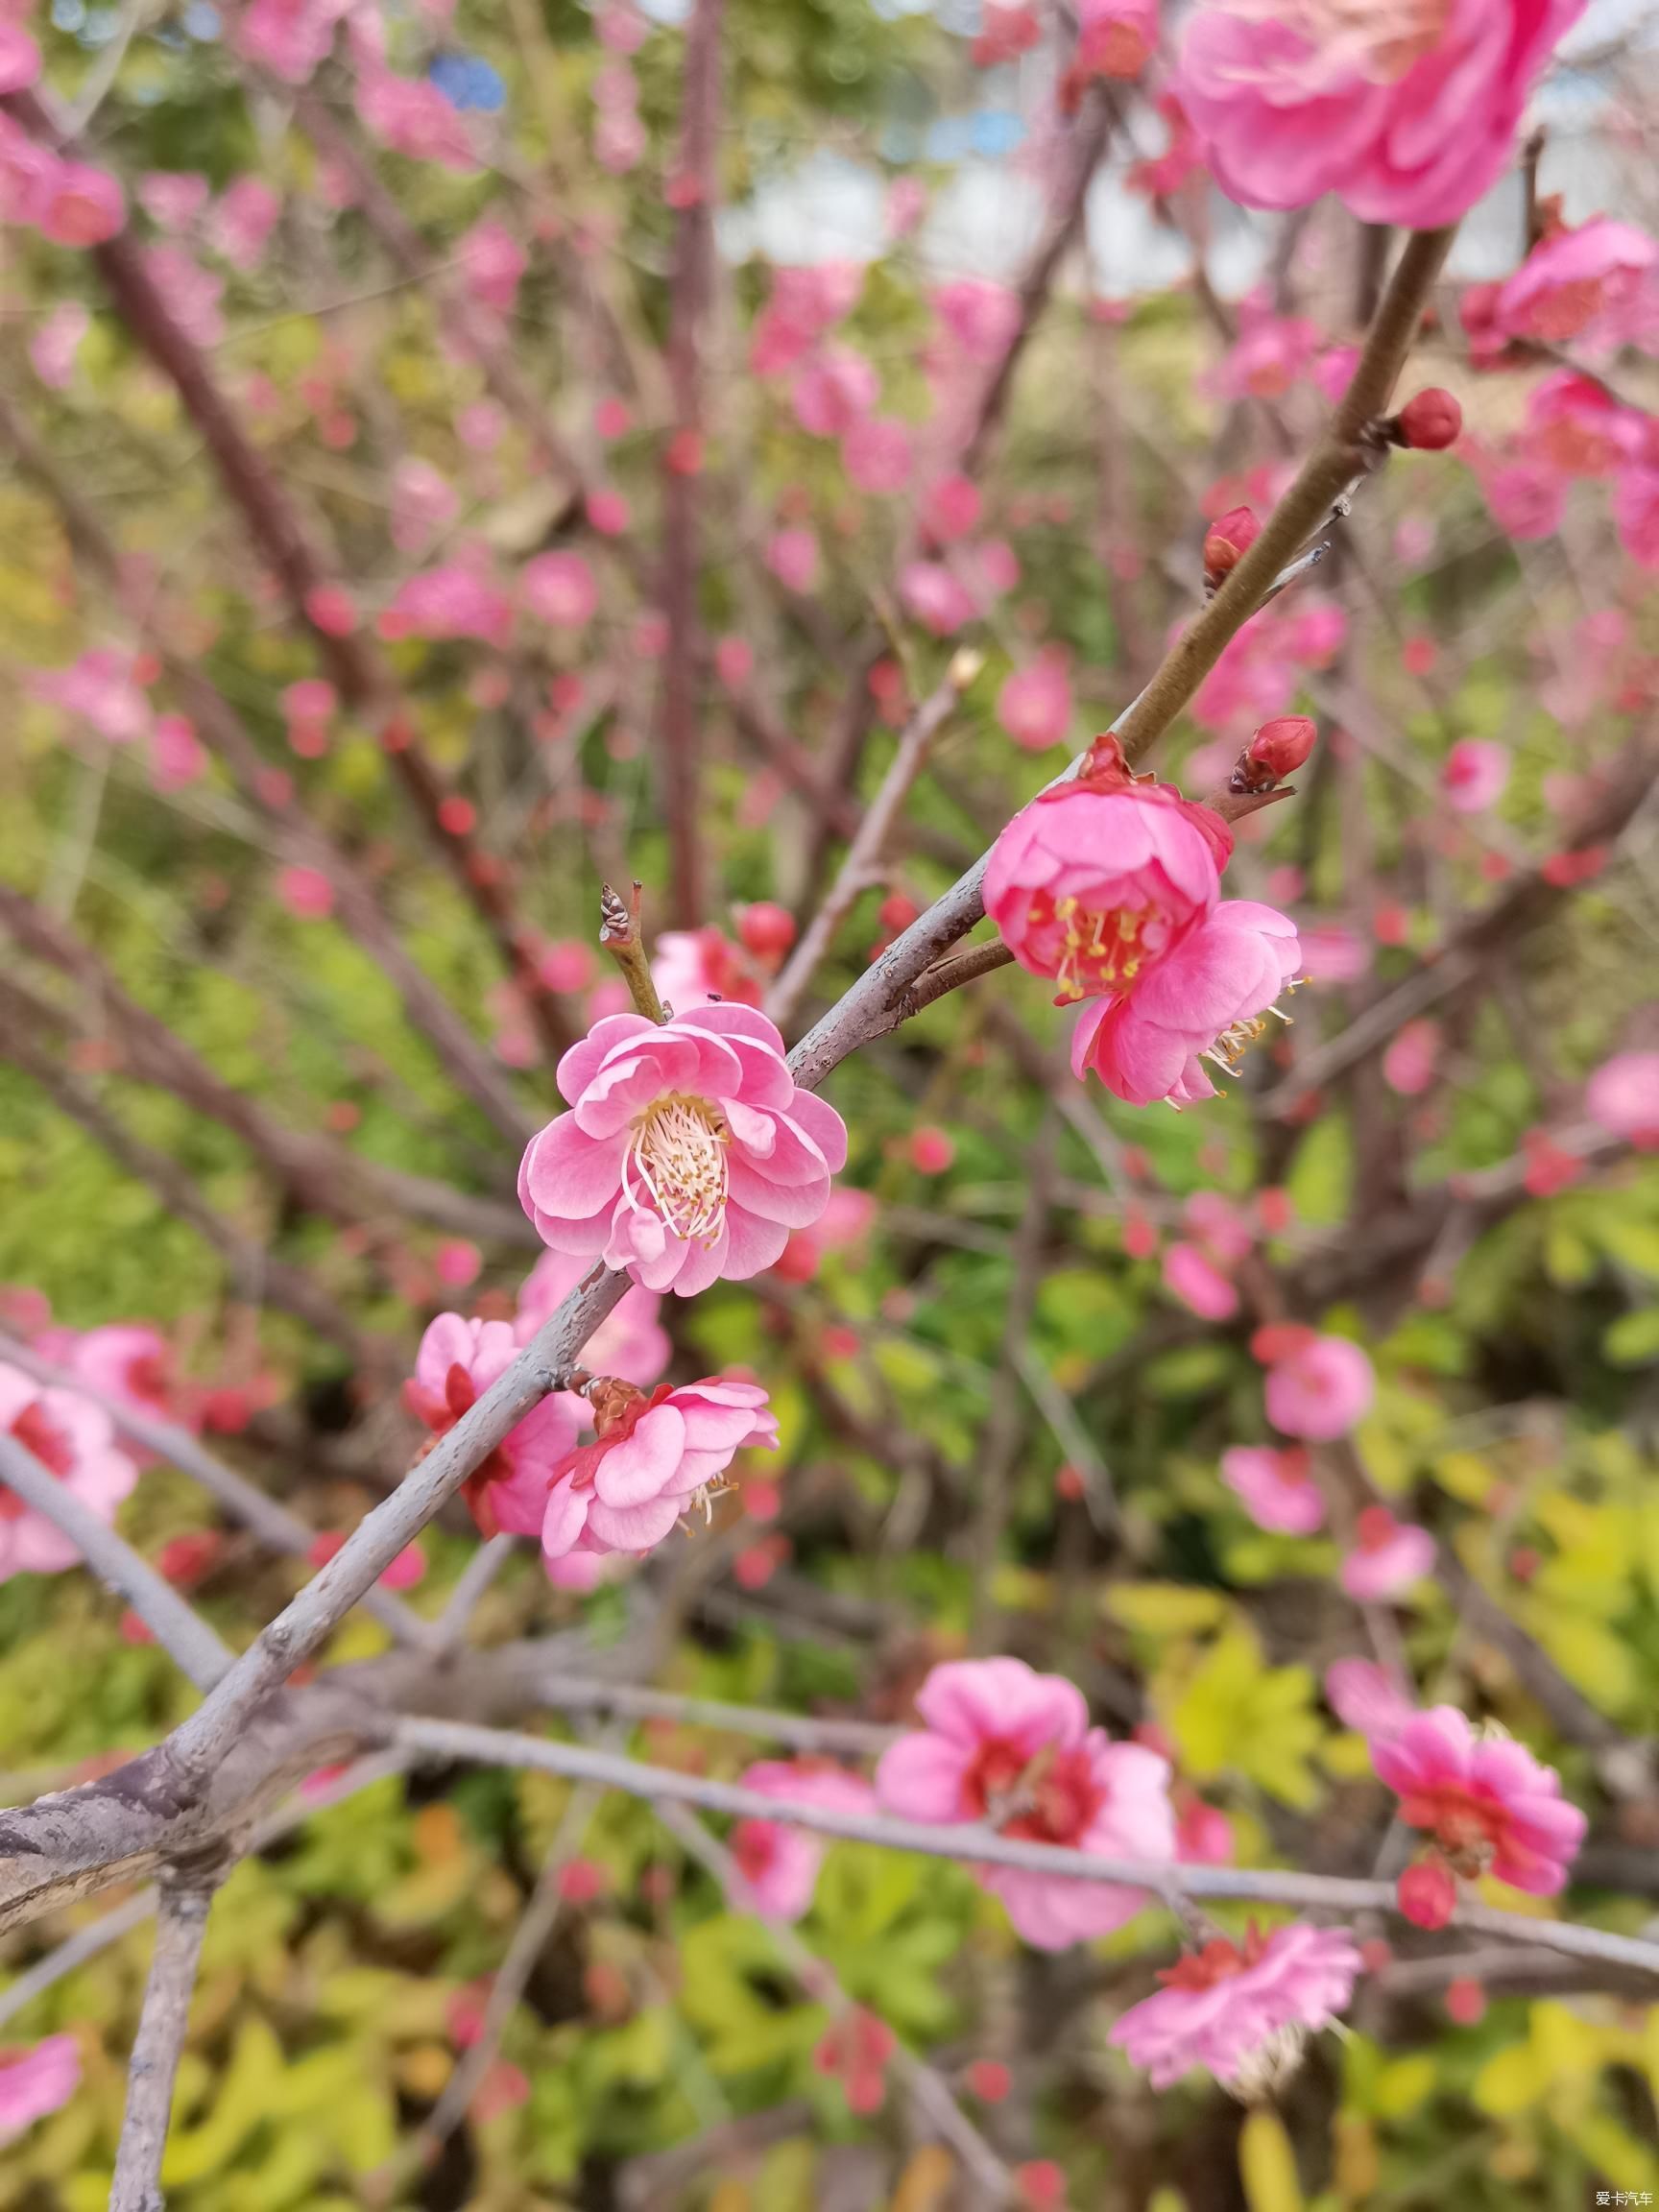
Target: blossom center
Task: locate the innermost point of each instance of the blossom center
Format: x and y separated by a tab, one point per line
1467	1829
37	1432
677	1154
1096	951
754	1847
147	1376
1049	1798
1379	41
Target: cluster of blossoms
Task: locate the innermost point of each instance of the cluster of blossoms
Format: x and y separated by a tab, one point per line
1109	885
70	203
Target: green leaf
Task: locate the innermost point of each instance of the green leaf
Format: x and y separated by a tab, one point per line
1633	1339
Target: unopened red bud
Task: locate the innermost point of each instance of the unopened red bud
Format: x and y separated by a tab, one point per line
1430	423
1279	747
1227	540
1427	1893
767	931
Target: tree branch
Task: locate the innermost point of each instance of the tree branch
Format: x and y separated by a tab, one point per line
177	1628
154	2063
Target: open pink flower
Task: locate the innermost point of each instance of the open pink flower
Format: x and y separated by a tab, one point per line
1278	1488
74	1440
1474	775
980	316
1407	109
654	1460
1491	1808
1100	880
690	966
1034	705
457	1362
631	1341
1199	1283
834	391
1409	1065
1240	2012
495	263
688	1153
935	596
779	1863
559	589
1014	1748
1623	1098
450	601
411	116
36	2081
1320	1390
1579	285
128	1361
1389	1557
1208	1001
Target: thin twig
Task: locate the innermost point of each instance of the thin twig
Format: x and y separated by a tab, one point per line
930	2093
268	1520
860	867
180	1928
454	1740
620	935
176	1627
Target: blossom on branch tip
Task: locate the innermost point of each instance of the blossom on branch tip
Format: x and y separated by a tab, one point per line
1277	1487
1429	423
1013	1748
36	2081
1100	880
1388	1559
457	1362
1490	1806
75	1441
1407	109
653	1461
1226	542
1317	1387
1208	999
1242	2014
1623	1098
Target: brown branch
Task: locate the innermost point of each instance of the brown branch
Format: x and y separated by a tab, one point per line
352	661
176	1626
461	1054
620	935
862	866
690	288
154	2067
1343	455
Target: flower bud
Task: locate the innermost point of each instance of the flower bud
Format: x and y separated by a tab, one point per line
766	929
1430	423
1278	748
1226	542
1425	1893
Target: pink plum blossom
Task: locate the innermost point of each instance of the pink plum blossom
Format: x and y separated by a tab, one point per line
981	317
192	292
1034	704
688	1153
1238	2014
654	1460
1413	1052
1366	1698
1388	1559
410	117
306	893
103	691
691	967
457	1362
495	263
1475	773
1208	999
424	503
1527	499
19	58
1488	1803
1277	1487
935	596
1320	1390
126	1360
1198	1282
951	509
1578	286
834	391
1014	1748
558	588
241	225
1103	878
36	2081
451	601
1409	113
54	346
74	1440
792	556
631	1340
176	754
290	37
77	206
876	454
1623	1098
779	1863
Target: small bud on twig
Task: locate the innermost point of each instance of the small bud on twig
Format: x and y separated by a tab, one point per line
619	935
1278	748
1428	423
1226	542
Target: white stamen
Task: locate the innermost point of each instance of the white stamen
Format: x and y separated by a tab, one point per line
678	1153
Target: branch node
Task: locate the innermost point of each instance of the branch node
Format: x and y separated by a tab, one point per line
620	935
